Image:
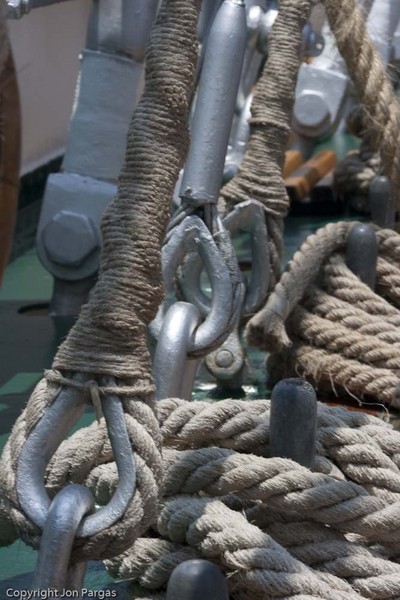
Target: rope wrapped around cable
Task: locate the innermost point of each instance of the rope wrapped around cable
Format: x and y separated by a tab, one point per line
109	338
332	327
260	175
343	515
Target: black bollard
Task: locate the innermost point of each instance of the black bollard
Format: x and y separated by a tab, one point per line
197	580
381	202
293	421
362	252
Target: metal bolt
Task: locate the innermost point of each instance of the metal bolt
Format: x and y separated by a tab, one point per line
69	238
311	111
224	358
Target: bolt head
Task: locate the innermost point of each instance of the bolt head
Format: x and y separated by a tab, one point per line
69	238
311	111
224	358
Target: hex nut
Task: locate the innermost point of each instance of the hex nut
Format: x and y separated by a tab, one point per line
69	238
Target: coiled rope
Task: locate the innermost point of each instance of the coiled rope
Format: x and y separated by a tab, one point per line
215	498
277	529
109	337
332	327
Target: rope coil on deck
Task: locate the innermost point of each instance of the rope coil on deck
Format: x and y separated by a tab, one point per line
334	528
224	498
329	325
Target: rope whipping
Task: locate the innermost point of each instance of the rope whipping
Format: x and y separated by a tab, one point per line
109	338
322	322
260	174
225	499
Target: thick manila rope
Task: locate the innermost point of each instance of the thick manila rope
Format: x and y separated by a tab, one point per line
381	108
281	484
258	567
151	561
217	472
260	174
109	337
318	546
350	444
329	325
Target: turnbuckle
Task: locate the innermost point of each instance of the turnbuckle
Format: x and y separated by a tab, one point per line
44	440
53	568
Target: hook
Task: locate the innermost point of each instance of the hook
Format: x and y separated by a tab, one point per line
197	580
293	421
362	253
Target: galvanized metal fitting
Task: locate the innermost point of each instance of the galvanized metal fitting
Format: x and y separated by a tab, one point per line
16	9
69	238
47	435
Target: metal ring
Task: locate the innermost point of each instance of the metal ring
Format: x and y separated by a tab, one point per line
65	514
44	440
246	216
192	234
